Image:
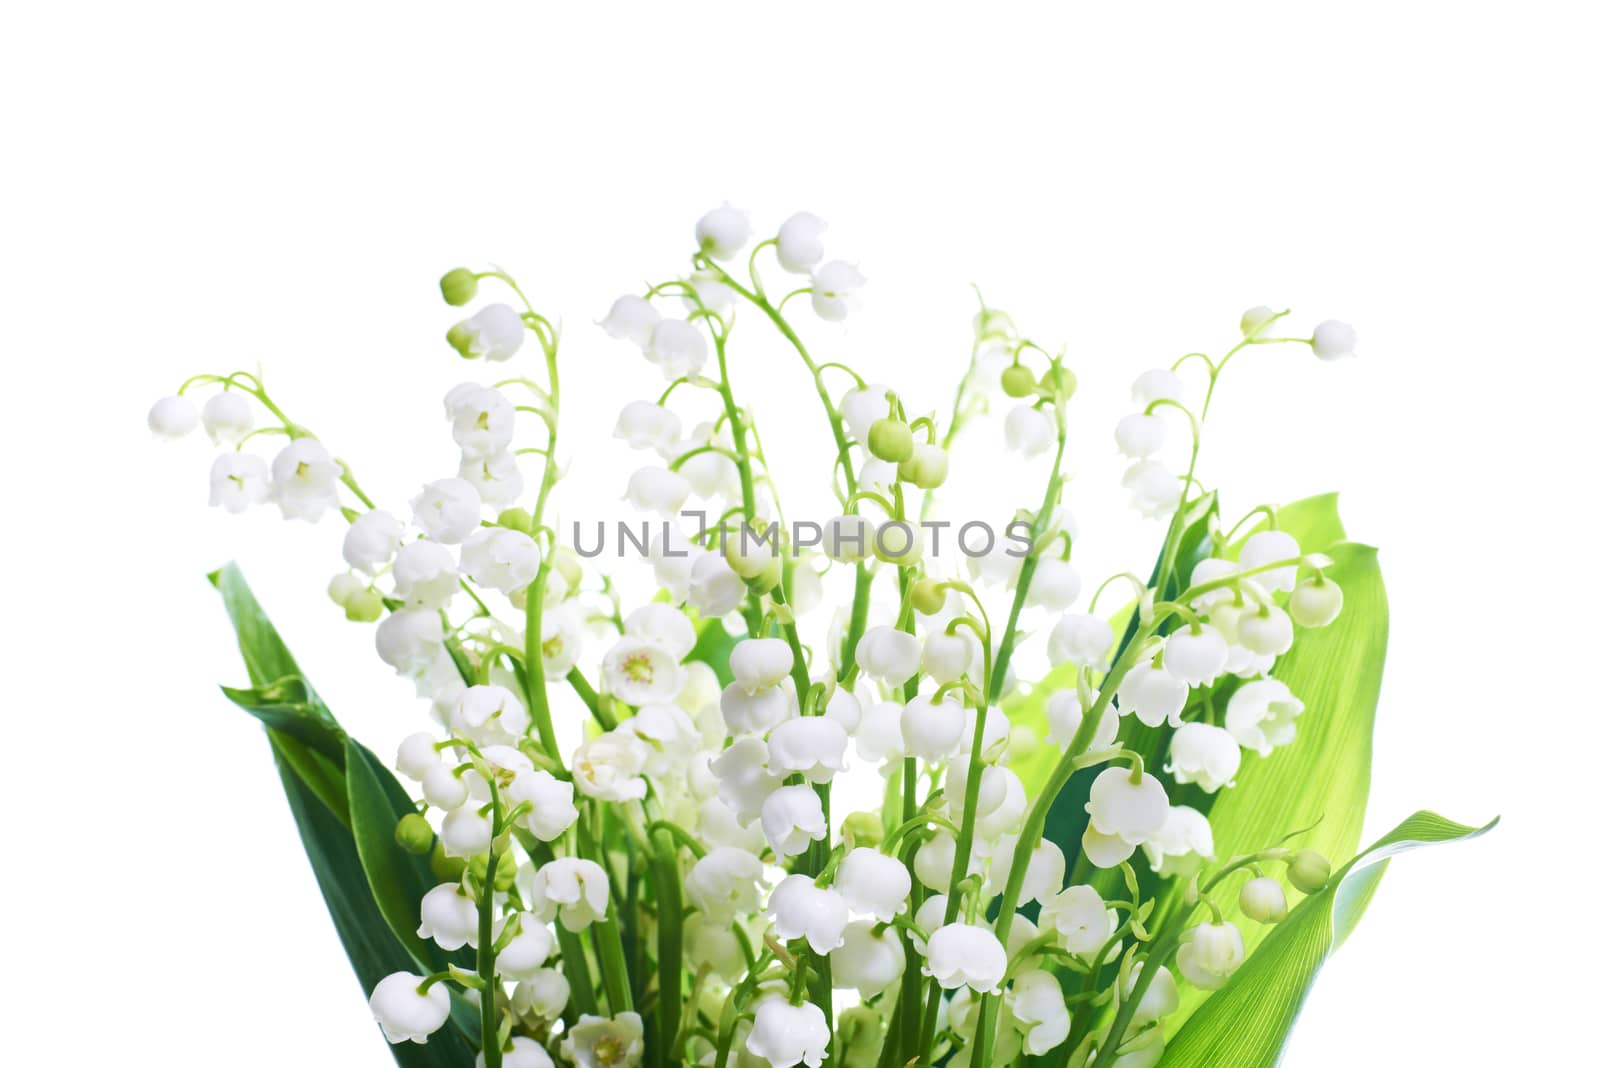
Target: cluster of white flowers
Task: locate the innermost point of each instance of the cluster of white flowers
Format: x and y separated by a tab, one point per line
695	815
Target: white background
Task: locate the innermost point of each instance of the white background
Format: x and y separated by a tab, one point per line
206	187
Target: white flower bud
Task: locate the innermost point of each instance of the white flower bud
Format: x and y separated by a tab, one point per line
800	242
863	407
1316	602
879	737
844	709
238	480
799	908
888	654
425	575
848	538
1158	383
874	884
646	425
1261	715
759	663
1056	585
756	713
172	418
500	559
932	729
1064	712
447	510
785	1034
227	417
528	949
1209	954
809	746
725	883
1204	755
658	490
710	942
417	756
1155	489
372	541
791	818
631	318
465	832
963	954
410	640
1153	695
1333	340
714	588
494	333
576	890
677	348
867	961
722	232
449	917
610	767
1081	640
443	789
835	290
1029	430
1040	1011
1195	655
1135	811
543	994
1269	547
935	859
946	657
1141	436
523	1052
1262	899
1267	631
1256	322
305	480
406	1015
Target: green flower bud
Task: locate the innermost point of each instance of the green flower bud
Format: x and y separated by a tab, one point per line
414	835
927	468
344	586
1309	871
1017	381
890	440
364	606
458	286
1066	384
1262	900
1316	602
751	549
864	828
505	873
516	519
861	1034
927	596
569	566
460	339
446	869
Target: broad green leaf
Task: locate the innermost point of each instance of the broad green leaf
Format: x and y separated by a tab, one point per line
288	707
1247	1022
712	647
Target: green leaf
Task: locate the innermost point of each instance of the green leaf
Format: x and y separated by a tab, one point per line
1247	1022
713	647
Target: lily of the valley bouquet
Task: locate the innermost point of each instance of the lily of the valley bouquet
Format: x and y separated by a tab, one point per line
620	836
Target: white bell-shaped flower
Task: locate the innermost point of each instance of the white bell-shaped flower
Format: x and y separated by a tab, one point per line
1262	899
1333	340
677	348
848	538
410	640
449	917
417	756
800	242
863	407
443	789
1206	571
791	818
1209	953
1196	655
227	417
1204	755
544	994
743	781
1315	602
1056	585
932	729
1158	383
964	954
1261	715
714	588
647	425
425	575
494	333
888	654
447	510
549	800
1039	1010
1078	917
1081	640
1064	712
465	832
836	290
873	884
372	541
786	1035
305	480
527	950
759	663
708	943
1153	694
844	709
561	642
240	480
879	737
725	883
655	489
610	767
1029	430
571	888
868	961
1140	436
1154	489
172	418
935	859
809	746
1269	547
799	908
1047	869
756	713
638	673
722	232
1266	631
405	1013
482	419
1182	845
1118	805
500	559
632	319
599	1042
947	657
488	715
663	626
523	1052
